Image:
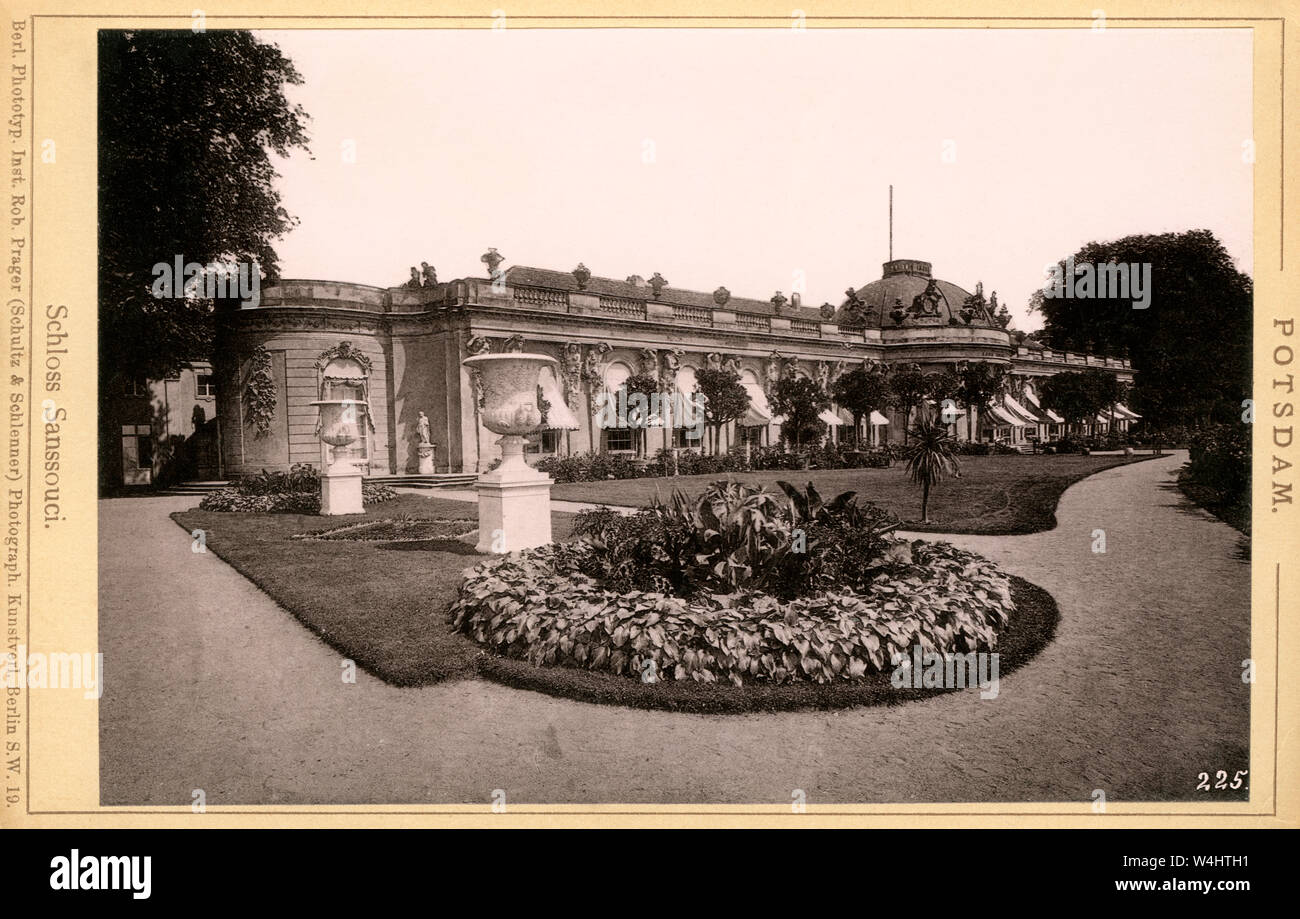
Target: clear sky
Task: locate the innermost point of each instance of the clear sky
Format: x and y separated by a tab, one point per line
743	157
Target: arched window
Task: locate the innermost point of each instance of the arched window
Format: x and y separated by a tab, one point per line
345	375
686	437
614	439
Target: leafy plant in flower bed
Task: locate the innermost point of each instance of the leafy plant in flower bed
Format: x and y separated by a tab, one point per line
735	537
541	606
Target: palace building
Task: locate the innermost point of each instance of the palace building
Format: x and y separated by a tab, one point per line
398	352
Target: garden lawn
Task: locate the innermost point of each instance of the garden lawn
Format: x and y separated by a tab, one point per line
383	605
996	495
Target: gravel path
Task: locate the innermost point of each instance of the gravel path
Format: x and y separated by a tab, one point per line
210	685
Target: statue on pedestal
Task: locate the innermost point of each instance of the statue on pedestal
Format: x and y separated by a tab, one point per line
424	449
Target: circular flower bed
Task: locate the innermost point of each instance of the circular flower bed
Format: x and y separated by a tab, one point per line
540	607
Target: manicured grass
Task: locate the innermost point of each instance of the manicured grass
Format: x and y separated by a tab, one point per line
387	611
382	608
996	495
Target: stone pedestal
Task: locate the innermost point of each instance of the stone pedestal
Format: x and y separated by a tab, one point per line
514	503
340	491
425	452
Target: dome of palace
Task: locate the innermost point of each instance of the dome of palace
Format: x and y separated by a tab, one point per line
909	286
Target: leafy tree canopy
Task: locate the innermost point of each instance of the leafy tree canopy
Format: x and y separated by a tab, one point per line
1079	395
861	391
725	398
1190	348
187	126
800	400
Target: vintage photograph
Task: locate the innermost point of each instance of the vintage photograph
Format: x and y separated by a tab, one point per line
778	416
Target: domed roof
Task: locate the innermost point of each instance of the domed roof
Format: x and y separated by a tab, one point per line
907	284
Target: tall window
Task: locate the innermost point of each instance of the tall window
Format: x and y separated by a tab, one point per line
686	438
617	440
542	443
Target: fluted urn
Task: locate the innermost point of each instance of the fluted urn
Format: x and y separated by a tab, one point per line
514	500
339	425
511	399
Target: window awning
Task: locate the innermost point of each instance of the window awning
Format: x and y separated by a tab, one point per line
877	418
829	417
1004	416
1033	400
1123	411
1018	410
758	413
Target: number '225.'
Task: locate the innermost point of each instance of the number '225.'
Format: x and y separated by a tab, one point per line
1220	780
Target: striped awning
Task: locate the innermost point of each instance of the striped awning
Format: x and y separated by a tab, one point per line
829	417
877	418
1004	416
1015	408
1033	400
759	412
1126	413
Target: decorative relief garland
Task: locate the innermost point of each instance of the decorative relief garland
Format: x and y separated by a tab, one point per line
259	393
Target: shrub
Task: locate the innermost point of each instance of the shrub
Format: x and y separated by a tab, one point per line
294	492
762	458
540	606
300	477
1220	461
589	467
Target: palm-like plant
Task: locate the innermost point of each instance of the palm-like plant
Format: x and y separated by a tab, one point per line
930	459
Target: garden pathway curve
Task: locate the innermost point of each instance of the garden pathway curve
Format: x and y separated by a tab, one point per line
210	685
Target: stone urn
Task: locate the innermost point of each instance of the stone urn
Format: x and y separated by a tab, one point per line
514	500
340	483
339	426
509	386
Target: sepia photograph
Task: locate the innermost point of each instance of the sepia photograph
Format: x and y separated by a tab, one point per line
662	416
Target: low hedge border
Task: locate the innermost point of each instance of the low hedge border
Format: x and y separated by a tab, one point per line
1031	628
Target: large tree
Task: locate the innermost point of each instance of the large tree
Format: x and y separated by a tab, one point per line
725	399
980	383
1079	396
910	387
187	126
1190	346
861	391
645	385
801	401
